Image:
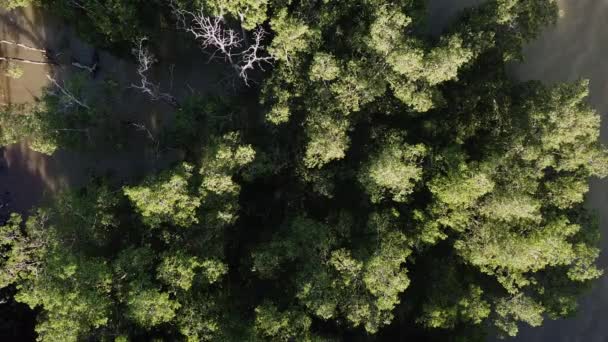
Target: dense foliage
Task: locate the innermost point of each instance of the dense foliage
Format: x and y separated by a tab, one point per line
376	181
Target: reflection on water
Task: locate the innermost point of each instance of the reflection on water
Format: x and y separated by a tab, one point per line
577	47
25	26
26	174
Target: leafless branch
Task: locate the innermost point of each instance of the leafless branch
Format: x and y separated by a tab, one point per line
90	69
71	98
221	42
78	4
31	48
96	4
145	61
212	35
143	128
156	143
252	57
22	60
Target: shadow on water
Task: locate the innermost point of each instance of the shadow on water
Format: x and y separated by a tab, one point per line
442	12
26	174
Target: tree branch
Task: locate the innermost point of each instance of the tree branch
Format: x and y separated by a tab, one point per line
216	39
8	42
90	69
69	95
145	61
26	61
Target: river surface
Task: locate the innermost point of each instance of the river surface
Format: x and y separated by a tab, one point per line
25	175
577	47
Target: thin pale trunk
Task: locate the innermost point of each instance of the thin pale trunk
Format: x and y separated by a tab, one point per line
26	61
90	69
66	93
8	42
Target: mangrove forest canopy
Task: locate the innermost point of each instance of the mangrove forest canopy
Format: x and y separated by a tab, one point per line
349	177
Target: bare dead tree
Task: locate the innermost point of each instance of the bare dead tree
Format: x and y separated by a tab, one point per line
89	69
23	46
145	60
142	128
252	57
25	61
81	5
211	34
221	42
78	4
26	47
71	99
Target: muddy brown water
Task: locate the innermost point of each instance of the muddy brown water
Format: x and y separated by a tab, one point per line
25	175
577	47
